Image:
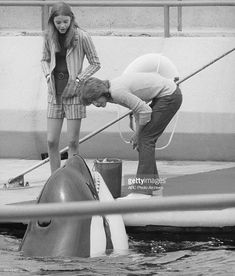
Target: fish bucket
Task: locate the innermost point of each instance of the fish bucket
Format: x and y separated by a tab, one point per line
111	171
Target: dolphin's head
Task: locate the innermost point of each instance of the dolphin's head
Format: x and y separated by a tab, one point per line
62	236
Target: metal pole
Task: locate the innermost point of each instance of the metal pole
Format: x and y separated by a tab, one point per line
114	121
179	10
205	66
124	206
45	16
166	21
116	3
66	148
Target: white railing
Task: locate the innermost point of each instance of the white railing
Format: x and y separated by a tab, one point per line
166	5
124	206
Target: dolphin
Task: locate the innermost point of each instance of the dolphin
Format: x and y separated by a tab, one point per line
72	236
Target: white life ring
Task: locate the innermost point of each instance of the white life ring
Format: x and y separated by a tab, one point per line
153	63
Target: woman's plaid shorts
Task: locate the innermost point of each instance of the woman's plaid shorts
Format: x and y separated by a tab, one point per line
69	111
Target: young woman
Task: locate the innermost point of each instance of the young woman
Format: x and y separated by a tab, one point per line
135	90
65	47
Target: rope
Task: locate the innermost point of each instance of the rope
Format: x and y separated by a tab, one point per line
172	134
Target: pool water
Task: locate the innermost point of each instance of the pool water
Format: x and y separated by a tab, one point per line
149	254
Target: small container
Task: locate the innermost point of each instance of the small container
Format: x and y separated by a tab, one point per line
111	171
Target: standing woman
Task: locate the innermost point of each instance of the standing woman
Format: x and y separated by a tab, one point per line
64	50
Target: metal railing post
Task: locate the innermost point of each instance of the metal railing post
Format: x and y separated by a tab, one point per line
166	21
179	26
45	16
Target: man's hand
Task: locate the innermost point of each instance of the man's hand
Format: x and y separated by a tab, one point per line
134	141
131	123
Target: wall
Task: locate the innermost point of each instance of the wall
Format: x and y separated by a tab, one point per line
205	128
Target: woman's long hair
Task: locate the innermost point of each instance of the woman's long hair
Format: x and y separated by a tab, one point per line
64	9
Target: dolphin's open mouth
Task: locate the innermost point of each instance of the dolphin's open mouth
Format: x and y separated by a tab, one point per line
81	237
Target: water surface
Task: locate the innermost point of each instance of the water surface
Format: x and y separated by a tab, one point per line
149	254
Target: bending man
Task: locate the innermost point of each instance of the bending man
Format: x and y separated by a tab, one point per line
134	91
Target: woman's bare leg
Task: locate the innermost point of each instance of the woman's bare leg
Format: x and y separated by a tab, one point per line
73	130
54	127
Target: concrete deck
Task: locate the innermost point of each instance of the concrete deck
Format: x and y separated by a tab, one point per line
10	168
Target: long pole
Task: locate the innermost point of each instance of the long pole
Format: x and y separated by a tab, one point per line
205	66
116	120
85	138
91	208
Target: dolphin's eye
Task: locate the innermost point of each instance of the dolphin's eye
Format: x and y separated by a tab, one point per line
44	223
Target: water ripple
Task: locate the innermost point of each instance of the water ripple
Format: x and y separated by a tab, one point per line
147	256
